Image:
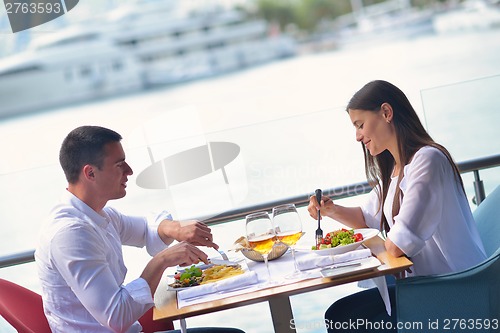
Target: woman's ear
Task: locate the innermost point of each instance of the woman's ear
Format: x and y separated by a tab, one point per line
387	112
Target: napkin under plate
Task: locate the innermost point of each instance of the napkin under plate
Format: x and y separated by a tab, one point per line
311	261
236	282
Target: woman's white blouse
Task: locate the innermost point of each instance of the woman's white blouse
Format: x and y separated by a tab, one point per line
435	226
81	268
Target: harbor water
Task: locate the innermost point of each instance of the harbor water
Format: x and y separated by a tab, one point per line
288	119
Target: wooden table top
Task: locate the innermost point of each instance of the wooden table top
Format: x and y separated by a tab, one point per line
166	306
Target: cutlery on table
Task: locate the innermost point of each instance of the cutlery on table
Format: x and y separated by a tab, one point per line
224	261
349	264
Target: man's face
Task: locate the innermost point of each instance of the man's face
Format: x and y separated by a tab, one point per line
111	179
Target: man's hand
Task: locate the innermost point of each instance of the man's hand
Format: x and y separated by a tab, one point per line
191	231
182	254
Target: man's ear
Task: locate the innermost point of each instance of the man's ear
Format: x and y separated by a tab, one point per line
88	171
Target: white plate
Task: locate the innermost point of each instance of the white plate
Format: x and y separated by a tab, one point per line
367	233
178	289
202	266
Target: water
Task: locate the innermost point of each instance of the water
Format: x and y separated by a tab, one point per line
287	117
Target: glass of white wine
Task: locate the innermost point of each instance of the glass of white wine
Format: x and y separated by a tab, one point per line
288	230
261	236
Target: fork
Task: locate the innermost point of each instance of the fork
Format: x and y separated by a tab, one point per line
223	254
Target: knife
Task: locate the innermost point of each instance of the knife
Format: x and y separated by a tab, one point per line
215	261
349	264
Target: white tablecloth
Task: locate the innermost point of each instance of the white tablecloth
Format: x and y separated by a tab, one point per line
279	269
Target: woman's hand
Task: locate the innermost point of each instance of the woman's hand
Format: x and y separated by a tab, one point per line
393	249
349	216
326	207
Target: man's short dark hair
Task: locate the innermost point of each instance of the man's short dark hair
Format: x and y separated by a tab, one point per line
84	145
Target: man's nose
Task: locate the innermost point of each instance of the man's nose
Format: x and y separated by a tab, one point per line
128	169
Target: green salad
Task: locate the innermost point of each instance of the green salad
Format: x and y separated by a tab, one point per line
192	276
338	237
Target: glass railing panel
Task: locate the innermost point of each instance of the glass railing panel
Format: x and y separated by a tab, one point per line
26	198
462	117
208	172
204	174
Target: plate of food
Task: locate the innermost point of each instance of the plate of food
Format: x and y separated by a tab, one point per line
343	240
211	262
195	276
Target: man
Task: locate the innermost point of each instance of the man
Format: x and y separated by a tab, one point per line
79	256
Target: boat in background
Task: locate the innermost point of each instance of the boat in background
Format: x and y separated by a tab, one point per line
78	65
469	16
138	46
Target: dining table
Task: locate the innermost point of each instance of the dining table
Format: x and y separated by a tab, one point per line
278	296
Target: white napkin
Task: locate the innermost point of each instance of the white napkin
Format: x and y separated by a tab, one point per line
232	283
314	261
381	284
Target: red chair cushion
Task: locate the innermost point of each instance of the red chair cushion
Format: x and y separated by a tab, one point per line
22	308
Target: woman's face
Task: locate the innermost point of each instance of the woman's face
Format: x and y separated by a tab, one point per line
373	129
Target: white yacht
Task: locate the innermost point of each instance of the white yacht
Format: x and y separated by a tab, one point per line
469	16
136	47
78	66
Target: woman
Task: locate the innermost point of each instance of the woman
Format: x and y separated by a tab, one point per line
418	199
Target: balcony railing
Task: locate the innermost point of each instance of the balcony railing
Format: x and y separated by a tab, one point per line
337	193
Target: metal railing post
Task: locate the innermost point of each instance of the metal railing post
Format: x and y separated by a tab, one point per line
478	188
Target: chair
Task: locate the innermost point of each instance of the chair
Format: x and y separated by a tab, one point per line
23	309
150	326
452	299
487	216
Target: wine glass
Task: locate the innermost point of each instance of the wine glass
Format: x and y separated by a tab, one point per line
261	236
288	226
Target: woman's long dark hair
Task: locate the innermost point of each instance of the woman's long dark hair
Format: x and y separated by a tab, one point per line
410	133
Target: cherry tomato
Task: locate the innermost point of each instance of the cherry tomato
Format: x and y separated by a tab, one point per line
358	237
